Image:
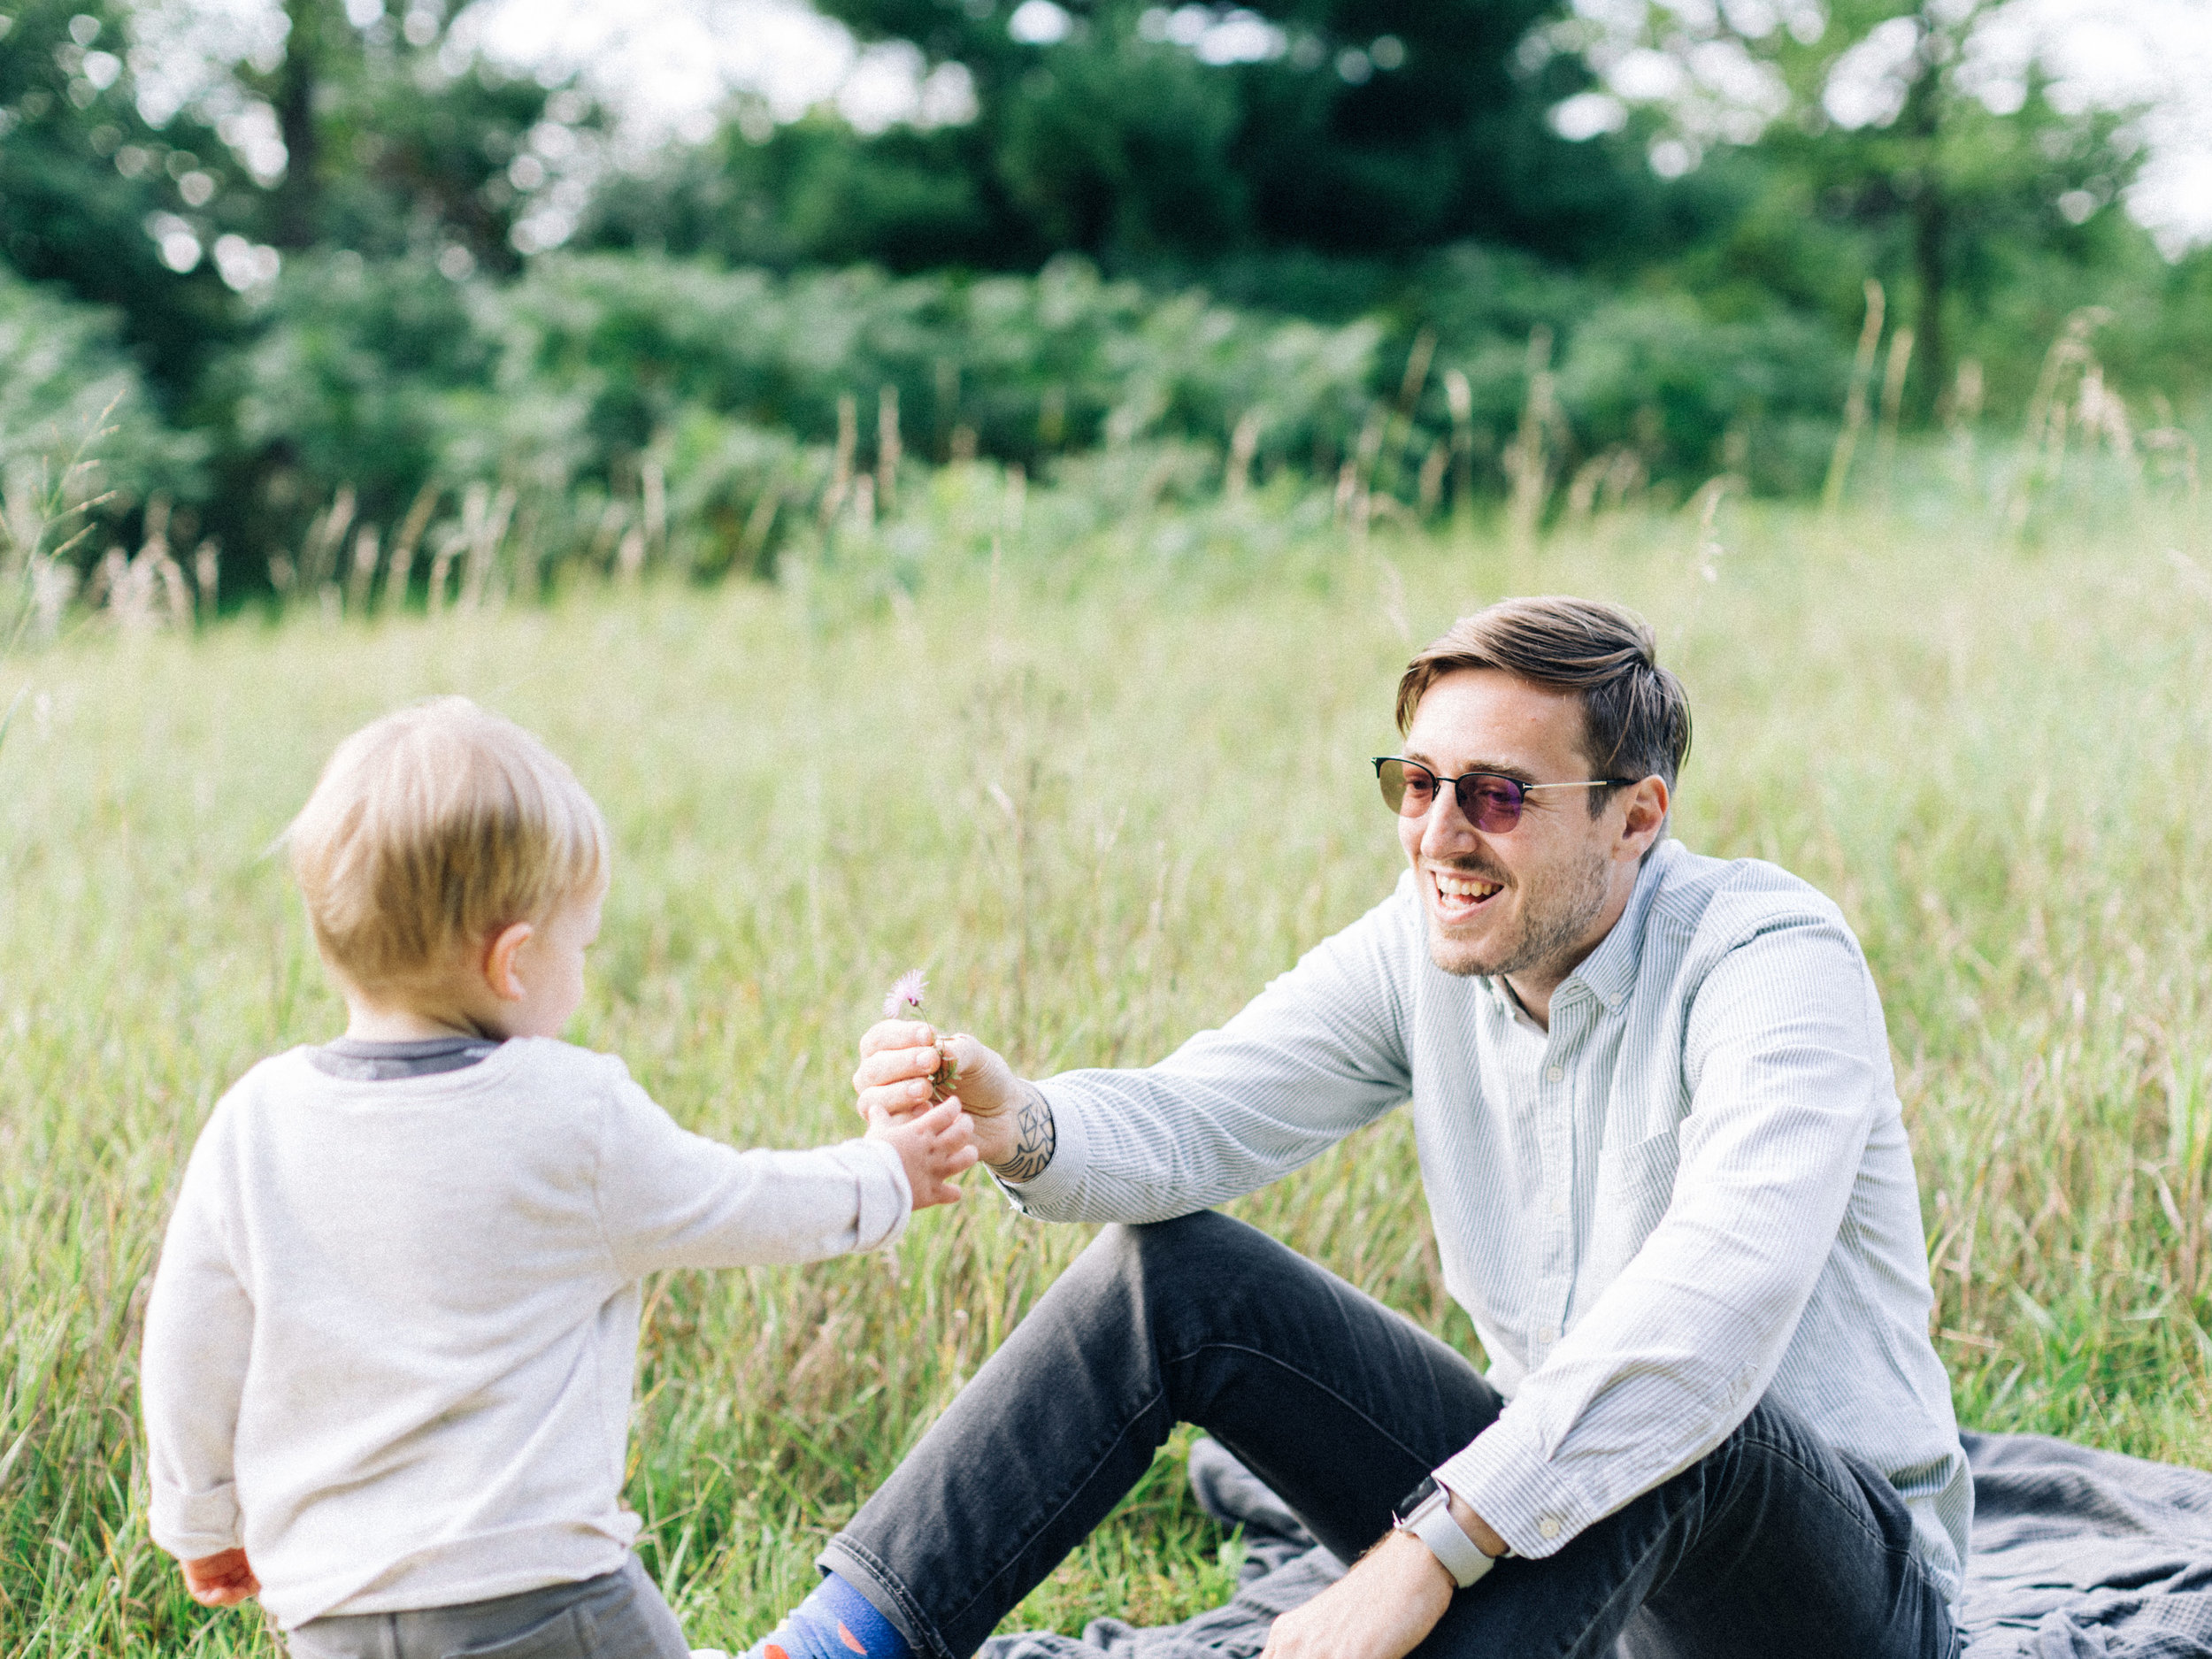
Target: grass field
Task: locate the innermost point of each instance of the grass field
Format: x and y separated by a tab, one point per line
1100	786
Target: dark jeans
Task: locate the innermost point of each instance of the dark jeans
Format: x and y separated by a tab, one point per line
1772	1544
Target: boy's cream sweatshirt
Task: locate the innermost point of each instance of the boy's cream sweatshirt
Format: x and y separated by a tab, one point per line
391	1342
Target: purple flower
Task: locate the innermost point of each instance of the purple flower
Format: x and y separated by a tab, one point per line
904	1000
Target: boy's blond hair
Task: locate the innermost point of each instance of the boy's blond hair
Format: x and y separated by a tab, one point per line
429	831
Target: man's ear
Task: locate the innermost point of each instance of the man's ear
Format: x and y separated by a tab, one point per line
1646	818
499	961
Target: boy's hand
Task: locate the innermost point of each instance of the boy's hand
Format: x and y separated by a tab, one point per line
935	1145
223	1579
897	1059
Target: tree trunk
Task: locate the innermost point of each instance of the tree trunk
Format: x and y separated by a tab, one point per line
1921	121
1930	227
299	194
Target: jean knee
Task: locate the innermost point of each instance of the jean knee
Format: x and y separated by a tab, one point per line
1156	1252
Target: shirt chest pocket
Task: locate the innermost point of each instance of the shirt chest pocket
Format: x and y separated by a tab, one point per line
1635	1184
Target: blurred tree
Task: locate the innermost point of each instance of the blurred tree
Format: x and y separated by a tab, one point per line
117	210
1907	140
1171	139
398	142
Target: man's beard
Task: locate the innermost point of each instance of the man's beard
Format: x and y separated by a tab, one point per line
1558	910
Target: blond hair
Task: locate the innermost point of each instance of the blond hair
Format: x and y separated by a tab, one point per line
433	828
1635	714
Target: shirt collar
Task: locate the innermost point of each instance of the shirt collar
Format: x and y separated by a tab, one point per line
1608	973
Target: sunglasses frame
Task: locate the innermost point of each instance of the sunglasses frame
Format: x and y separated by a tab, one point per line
1459	794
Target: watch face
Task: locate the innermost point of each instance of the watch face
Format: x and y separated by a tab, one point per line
1414	1499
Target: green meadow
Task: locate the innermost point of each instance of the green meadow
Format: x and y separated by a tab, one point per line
1099	765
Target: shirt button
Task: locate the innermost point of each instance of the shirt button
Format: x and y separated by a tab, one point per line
1548	1527
1616	1000
1555	1074
1559	1207
1549	1333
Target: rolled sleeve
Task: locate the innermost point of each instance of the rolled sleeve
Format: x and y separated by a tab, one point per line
1051	1196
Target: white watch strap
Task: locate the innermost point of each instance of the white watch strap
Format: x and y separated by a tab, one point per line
1433	1526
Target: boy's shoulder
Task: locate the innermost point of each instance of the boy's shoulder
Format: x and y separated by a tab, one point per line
538	1066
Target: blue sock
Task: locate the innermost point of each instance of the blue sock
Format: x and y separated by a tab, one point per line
835	1622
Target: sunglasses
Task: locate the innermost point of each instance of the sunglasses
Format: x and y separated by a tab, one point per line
1491	802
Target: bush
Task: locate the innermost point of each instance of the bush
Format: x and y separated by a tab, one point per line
590	368
61	368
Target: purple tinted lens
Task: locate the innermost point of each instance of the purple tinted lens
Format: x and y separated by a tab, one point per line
1492	804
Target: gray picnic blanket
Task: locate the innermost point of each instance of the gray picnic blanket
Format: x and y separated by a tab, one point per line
2077	1553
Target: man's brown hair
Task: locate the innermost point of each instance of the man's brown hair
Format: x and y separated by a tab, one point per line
1635	715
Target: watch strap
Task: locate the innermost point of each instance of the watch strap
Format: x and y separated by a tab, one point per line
1432	1523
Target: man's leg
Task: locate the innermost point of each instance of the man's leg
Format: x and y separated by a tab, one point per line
1770	1544
1338	1404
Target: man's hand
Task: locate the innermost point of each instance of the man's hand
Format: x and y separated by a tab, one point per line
935	1145
1013	1125
223	1579
1381	1609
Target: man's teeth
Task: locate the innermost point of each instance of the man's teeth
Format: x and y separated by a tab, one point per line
1464	888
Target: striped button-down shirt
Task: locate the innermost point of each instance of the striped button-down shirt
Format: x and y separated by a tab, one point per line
1693	1192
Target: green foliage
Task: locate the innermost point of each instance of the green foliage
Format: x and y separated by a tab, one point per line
66	379
398	143
87	186
1354	128
1988	229
349	378
382	378
1690	395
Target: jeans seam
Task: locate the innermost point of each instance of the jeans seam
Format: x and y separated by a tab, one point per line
1857	1515
1059	1507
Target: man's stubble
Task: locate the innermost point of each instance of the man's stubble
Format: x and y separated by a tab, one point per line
1558	910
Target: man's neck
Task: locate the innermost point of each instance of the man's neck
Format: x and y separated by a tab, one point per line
1542	1012
1535	988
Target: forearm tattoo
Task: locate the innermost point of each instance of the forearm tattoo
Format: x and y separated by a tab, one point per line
1034	1138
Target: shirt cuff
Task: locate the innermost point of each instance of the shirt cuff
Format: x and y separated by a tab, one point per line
886	1199
1505	1479
1056	1185
193	1526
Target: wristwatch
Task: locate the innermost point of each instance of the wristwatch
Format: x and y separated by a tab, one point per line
1426	1513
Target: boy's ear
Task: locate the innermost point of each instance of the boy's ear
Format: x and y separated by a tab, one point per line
499	961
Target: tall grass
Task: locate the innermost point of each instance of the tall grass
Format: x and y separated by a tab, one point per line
1099	766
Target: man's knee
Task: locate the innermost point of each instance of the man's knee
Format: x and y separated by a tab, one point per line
1204	1246
1165	1273
1774	1444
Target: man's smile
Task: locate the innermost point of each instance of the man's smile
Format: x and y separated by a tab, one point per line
1459	893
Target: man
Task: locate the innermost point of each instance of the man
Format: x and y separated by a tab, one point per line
1670	1183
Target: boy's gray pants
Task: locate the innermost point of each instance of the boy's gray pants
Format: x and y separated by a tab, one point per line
616	1616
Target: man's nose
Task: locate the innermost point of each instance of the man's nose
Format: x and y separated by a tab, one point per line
1446	824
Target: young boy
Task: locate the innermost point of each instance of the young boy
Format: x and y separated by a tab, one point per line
390	1348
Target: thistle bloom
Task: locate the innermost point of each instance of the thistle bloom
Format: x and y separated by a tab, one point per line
904	1000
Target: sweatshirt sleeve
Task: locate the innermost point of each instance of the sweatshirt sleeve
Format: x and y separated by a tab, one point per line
1319	1053
669	1198
192	1370
1786	1059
